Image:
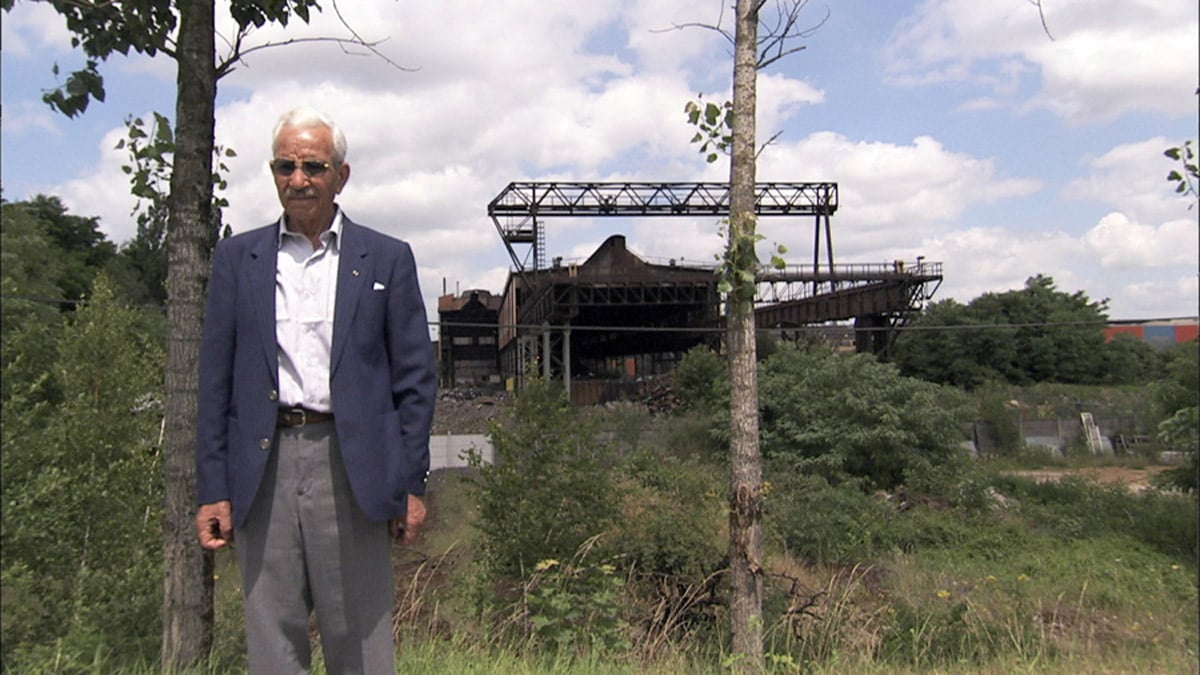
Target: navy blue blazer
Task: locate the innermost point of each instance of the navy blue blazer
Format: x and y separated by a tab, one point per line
383	379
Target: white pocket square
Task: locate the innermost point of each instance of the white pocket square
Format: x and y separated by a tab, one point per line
378	286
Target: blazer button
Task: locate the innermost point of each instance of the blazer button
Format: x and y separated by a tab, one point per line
264	444
274	395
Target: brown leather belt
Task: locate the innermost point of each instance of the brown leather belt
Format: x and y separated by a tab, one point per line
298	417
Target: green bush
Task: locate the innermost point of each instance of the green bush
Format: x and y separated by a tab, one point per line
702	380
1180	387
576	606
671	518
822	522
995	411
851	416
1076	508
82	539
550	489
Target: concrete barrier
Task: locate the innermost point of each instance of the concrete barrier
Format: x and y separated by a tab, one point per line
449	451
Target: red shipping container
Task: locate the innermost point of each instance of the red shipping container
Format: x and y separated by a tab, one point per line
1187	332
1111	332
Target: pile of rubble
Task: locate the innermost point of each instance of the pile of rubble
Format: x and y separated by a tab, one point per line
469	411
657	393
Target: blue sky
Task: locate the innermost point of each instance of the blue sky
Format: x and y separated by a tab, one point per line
956	129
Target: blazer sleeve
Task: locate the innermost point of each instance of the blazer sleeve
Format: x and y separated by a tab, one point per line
216	378
413	368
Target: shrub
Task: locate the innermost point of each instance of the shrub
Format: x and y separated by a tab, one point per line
82	486
995	410
852	416
822	522
1181	433
702	380
672	516
550	488
577	606
1076	508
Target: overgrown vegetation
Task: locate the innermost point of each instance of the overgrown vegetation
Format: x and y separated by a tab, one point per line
1022	337
82	568
597	541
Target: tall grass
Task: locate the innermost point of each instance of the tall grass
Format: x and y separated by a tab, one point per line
1061	578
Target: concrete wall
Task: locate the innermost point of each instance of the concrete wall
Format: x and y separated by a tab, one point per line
448	452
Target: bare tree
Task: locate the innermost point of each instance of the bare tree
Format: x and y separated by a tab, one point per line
757	44
745	507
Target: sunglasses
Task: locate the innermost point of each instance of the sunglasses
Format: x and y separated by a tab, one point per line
311	167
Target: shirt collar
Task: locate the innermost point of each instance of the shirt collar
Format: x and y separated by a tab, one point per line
333	235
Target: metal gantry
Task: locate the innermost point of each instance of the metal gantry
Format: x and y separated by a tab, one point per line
518	210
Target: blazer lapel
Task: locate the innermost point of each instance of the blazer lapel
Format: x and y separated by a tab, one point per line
354	271
261	282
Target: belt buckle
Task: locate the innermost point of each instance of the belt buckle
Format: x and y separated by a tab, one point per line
290	414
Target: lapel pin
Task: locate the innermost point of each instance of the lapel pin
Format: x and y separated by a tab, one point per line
355	272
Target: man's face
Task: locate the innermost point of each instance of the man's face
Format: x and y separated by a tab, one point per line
308	200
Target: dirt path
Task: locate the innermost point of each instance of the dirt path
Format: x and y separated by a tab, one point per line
1135	479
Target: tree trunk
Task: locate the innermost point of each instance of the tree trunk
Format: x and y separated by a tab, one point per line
188	583
745	514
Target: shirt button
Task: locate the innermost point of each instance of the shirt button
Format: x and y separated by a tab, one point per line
264	444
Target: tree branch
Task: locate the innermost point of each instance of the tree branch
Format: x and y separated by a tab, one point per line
773	40
369	45
775	136
1042	15
236	54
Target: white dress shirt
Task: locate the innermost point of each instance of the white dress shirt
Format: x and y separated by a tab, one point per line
305	295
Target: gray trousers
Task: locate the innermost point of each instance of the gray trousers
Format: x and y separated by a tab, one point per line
307	545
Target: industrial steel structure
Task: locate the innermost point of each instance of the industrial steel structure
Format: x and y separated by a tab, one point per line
468	355
617	315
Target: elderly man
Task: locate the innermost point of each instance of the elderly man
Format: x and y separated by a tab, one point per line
317	388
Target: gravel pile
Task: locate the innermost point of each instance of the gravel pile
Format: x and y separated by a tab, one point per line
468	411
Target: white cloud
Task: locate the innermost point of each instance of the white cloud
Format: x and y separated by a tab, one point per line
978	260
1132	177
1106	58
666	36
1118	243
104	192
518	45
26	117
34	28
890	195
1142	271
1158	298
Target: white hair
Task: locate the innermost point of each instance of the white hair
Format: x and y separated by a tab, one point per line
306	118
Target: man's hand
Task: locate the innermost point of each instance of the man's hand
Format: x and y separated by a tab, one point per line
214	522
406	530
